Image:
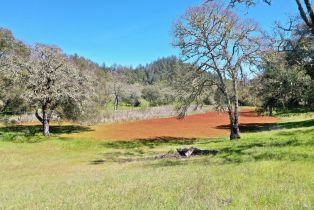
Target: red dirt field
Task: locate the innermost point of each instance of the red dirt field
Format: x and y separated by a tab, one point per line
212	124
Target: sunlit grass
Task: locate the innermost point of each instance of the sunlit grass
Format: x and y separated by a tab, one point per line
295	115
264	170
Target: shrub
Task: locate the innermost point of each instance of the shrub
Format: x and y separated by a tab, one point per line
144	105
152	94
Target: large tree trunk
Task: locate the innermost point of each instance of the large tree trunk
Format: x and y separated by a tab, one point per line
46	130
116	103
234	125
45	121
270	110
234	130
234	120
233	112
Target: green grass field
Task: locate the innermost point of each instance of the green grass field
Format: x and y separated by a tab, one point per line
271	167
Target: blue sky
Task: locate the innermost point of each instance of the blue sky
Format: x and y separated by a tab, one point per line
127	32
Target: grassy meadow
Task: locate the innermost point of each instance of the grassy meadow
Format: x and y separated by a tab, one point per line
271	167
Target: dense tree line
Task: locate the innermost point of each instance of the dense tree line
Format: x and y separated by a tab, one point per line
151	83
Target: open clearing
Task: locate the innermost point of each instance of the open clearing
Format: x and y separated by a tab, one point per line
264	170
211	124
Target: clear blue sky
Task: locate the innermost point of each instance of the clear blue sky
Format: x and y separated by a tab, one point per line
127	32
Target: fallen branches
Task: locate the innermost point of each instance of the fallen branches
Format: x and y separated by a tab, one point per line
188	152
195	151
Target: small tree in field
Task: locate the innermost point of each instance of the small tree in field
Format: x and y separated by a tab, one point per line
116	87
51	81
217	41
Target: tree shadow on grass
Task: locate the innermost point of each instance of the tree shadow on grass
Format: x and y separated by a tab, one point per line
33	133
131	151
123	157
284	145
295	111
291	150
275	149
64	129
257	127
138	150
272	150
150	142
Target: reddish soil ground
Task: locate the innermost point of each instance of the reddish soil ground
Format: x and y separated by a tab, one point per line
212	124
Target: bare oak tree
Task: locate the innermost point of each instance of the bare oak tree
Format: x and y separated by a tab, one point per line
116	86
50	80
216	40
